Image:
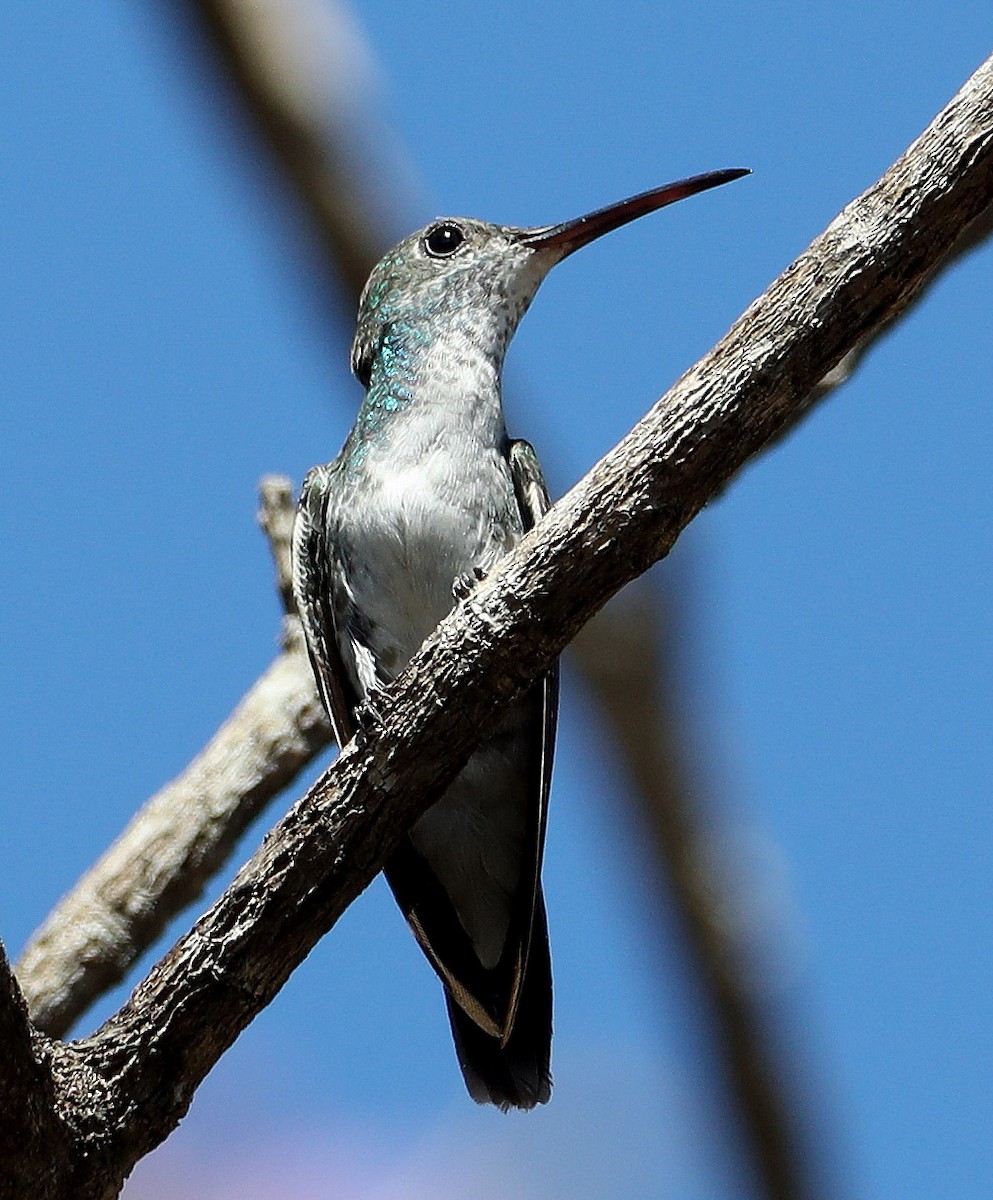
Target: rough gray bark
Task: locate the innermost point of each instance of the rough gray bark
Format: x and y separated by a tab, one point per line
121	1091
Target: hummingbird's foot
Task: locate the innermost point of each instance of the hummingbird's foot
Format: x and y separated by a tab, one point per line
368	713
464	585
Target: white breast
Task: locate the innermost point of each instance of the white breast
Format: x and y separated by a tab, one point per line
413	529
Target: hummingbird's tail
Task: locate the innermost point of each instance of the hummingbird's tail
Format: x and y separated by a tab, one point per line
516	1074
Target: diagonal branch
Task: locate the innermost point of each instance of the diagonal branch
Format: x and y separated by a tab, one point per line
624	515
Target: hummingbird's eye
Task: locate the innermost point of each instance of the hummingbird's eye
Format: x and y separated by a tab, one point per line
443	240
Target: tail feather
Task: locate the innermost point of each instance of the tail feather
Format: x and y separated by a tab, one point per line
516	1074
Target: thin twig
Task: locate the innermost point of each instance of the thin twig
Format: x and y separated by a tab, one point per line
277	508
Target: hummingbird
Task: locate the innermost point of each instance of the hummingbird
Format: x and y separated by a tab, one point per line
425	497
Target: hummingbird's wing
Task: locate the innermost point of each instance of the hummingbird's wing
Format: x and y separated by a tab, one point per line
312	587
534	501
501	1013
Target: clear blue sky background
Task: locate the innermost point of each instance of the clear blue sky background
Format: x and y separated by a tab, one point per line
163	347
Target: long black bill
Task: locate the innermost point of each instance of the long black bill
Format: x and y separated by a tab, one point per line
570	235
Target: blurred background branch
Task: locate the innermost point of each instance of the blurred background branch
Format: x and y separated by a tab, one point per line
629	660
280	56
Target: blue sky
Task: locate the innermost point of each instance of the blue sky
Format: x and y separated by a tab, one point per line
162	346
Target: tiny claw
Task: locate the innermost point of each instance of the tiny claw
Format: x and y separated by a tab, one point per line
368	713
464	585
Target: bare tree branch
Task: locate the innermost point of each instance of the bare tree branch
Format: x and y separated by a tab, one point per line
175	844
971	238
123	1090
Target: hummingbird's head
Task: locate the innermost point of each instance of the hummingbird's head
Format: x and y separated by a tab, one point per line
477	278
